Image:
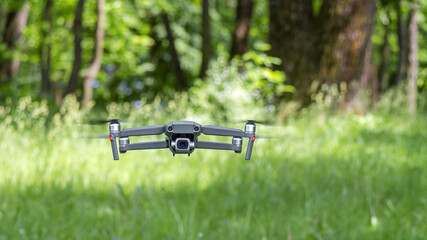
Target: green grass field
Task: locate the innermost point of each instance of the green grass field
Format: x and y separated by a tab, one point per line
338	177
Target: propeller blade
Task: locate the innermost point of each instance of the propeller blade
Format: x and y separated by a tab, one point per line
267	137
98	137
103	121
252	122
259	122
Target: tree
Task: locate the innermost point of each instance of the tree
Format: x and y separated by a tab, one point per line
16	20
206	36
328	45
92	71
413	58
77	29
3	13
239	43
402	36
181	82
46	48
385	55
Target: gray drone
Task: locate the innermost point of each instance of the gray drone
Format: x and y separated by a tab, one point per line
182	137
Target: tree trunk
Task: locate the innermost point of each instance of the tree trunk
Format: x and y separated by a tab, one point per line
45	48
206	35
93	69
413	58
181	82
358	67
402	36
329	47
291	37
3	13
366	51
15	23
77	28
385	54
243	22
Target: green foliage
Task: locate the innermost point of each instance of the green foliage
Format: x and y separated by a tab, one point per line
395	101
241	88
422	39
136	62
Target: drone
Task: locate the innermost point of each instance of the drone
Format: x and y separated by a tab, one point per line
182	137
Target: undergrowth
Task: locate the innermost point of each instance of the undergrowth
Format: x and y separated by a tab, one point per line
329	177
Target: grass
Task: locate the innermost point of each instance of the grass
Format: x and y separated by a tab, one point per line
332	177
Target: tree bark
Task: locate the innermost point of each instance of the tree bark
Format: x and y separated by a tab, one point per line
291	35
206	36
77	29
3	13
358	67
93	69
16	20
331	47
413	58
45	48
402	36
366	51
243	21
181	82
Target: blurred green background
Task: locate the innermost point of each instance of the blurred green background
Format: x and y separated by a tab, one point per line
343	81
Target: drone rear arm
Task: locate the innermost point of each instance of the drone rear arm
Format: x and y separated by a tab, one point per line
223	131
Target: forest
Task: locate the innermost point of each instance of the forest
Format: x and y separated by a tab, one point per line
125	51
341	84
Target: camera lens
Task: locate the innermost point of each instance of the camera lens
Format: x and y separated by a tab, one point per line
182	144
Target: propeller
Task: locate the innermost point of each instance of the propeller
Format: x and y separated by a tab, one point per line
268	137
114	120
251	121
98	137
102	121
260	122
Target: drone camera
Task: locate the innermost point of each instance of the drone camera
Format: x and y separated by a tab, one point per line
182	145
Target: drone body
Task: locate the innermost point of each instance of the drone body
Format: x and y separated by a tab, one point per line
182	137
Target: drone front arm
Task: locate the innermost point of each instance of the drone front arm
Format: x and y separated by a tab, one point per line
216	145
144	145
223	131
250	146
114	147
143	131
